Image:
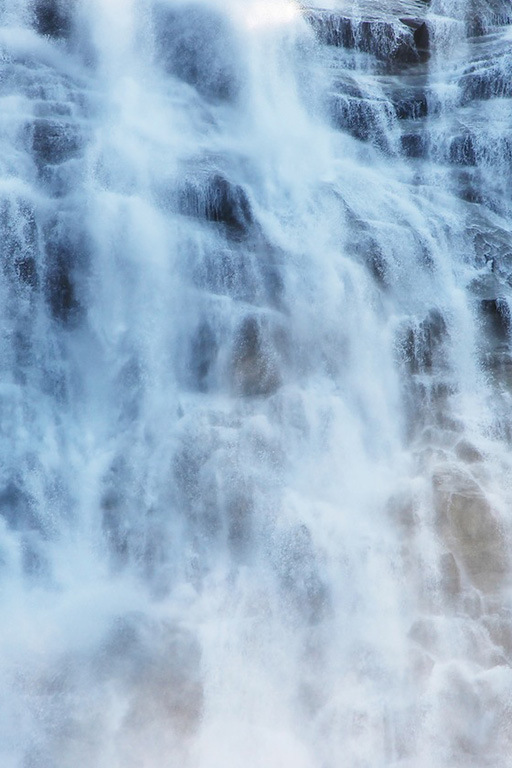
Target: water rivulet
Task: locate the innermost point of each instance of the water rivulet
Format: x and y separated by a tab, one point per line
256	384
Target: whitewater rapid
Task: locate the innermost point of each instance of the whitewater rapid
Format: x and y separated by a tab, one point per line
255	384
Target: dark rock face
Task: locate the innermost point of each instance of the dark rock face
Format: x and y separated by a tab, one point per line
360	117
196	44
218	200
414	145
424	343
17	508
255	364
422	39
64	261
412	105
489	83
203	354
496	315
55	142
463	151
52	18
388	41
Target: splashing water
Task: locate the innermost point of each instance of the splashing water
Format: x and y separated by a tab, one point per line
255	477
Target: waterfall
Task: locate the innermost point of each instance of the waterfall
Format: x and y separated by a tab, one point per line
256	383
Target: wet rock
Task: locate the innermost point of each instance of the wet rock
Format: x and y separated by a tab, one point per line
389	41
203	355
425	633
17	508
65	260
489	83
19	241
55	142
255	368
414	145
239	511
155	667
61	289
500	631
450	582
411	105
496	315
463	151
472	531
218	200
26	271
362	118
467	452
470	185
53	18
422	39
300	575
196	44
228	272
35	563
423	344
115	525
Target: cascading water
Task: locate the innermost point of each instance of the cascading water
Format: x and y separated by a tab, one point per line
255	389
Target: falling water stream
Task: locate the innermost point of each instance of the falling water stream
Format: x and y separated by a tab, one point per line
255	384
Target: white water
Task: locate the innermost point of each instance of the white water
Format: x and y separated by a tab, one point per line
256	475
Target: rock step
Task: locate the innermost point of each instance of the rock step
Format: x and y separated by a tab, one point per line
402	40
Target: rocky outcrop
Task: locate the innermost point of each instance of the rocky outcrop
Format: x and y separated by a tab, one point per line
398	41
